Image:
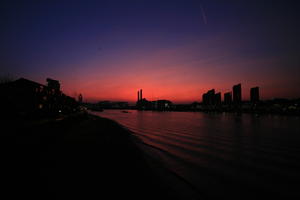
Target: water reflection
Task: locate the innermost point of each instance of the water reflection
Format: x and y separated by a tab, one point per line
248	152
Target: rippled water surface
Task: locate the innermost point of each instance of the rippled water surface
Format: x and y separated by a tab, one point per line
222	154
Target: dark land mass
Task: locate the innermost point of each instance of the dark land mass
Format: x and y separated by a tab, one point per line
76	157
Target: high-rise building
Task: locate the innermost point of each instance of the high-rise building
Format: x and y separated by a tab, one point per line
208	98
211	96
138	95
204	99
237	94
217	98
254	94
228	98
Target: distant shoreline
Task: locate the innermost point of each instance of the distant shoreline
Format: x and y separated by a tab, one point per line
255	112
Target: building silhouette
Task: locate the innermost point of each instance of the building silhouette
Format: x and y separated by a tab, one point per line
161	105
208	98
25	97
211	97
139	95
237	94
204	99
217	99
54	85
144	104
228	98
254	94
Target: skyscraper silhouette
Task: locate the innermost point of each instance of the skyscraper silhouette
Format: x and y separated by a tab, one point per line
211	96
237	94
254	94
217	98
228	98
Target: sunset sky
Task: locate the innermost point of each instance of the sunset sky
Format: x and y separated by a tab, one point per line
174	50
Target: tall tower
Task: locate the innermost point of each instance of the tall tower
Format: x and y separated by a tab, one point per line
237	94
217	98
227	98
141	94
138	96
211	96
254	94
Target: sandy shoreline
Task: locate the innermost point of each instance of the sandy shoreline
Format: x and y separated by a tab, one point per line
80	156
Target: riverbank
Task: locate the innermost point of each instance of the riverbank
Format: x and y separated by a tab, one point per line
239	156
80	156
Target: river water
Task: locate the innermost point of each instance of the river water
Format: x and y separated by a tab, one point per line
222	155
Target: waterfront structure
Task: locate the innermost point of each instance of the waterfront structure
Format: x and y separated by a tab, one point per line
53	85
218	99
237	94
204	99
254	94
162	105
144	104
209	97
26	97
139	95
228	98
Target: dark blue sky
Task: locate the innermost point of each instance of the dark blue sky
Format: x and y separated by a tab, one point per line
102	44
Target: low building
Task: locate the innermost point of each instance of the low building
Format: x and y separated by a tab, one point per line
163	105
26	97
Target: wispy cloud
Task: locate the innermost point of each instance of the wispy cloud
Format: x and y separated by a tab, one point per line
203	14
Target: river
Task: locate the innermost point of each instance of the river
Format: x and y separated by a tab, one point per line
222	155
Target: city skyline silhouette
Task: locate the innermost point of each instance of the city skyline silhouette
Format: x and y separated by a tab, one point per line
150	99
172	49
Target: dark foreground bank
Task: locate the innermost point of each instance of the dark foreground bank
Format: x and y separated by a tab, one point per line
80	156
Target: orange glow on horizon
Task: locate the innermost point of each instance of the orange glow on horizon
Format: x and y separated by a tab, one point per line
179	74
